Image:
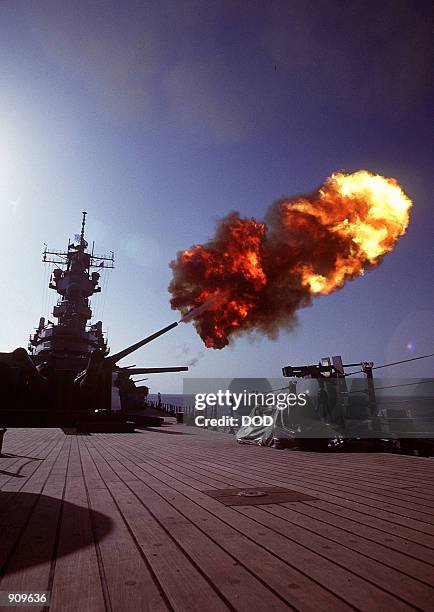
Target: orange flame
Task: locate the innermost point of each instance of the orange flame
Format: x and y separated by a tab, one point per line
255	275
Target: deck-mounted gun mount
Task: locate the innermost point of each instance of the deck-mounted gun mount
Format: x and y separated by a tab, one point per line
334	368
103	372
326	368
68	373
336	405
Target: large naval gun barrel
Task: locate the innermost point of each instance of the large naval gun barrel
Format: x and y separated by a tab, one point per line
132	371
99	367
130	349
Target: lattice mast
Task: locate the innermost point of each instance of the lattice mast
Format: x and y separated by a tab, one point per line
75	282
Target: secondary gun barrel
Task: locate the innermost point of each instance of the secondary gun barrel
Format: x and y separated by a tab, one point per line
130	349
132	371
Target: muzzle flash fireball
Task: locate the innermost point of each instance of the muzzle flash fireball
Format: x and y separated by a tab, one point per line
255	275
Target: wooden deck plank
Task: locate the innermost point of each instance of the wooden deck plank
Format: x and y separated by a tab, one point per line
261	473
226	466
130	584
182	582
76	581
235	584
387	542
414	567
19	479
15	470
378	530
392	486
370	469
398	584
17	440
356	590
125	525
28	562
334	517
18	464
299	590
14	516
295	515
413	509
267	475
397	498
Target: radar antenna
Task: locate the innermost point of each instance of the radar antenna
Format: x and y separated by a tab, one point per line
83	224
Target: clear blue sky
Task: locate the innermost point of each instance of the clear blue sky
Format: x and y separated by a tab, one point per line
160	117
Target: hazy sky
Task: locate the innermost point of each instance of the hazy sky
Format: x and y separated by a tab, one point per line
160	117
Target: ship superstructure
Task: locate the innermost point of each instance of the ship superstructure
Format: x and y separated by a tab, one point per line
68	343
67	374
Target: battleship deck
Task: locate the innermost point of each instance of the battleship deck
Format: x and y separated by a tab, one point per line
125	522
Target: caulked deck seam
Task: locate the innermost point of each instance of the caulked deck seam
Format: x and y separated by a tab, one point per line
254	576
103	579
376	586
6	578
138	548
131	532
316	504
360	505
167	532
297	483
300	507
367	557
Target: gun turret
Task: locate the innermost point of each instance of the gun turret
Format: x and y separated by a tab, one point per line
111	360
130	349
100	369
93	372
7	359
21	359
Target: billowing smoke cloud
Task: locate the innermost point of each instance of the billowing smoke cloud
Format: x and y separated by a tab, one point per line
256	275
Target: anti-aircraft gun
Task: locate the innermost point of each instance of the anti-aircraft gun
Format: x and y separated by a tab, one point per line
68	376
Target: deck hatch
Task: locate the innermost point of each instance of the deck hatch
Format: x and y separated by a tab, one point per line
254	496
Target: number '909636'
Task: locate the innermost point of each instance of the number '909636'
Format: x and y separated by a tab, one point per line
24	598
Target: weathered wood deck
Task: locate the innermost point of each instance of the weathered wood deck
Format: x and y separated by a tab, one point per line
120	522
